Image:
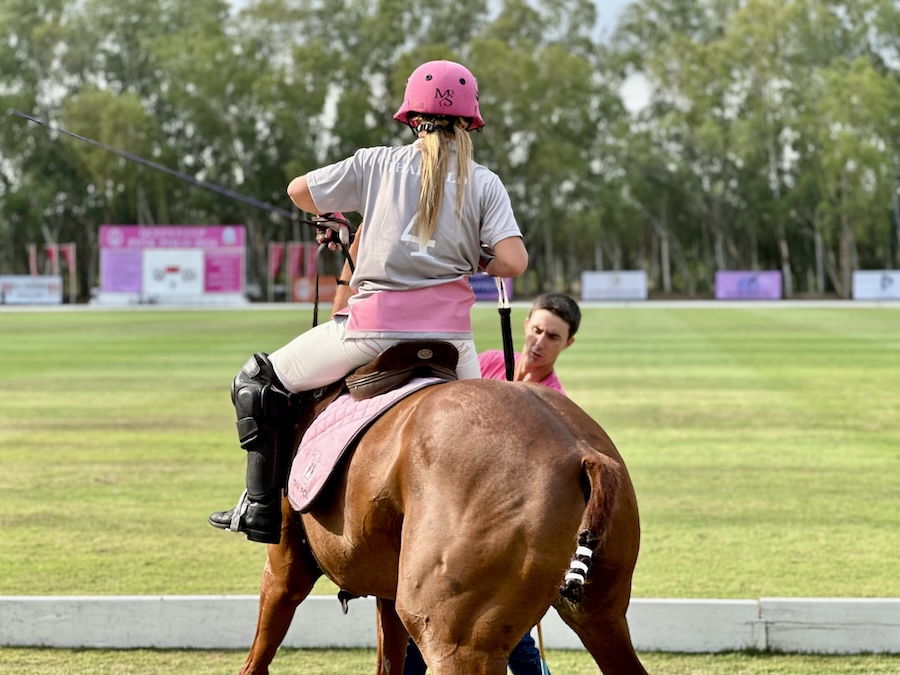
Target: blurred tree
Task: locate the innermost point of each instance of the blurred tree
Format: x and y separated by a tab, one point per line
770	139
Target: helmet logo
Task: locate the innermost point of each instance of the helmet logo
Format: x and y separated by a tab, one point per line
445	98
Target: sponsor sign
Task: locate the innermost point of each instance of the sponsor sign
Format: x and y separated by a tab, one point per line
876	285
623	285
485	288
172	262
24	289
748	285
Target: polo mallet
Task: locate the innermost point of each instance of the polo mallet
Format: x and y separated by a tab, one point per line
509	361
545	670
212	187
509	357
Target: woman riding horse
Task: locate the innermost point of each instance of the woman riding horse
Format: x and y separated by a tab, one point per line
427	208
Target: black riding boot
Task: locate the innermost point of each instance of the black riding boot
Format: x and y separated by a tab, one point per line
266	429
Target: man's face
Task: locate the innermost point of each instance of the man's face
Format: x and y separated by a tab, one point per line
546	335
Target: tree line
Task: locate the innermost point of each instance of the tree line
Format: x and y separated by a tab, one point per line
768	138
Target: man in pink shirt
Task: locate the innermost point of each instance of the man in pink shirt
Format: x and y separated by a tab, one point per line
549	329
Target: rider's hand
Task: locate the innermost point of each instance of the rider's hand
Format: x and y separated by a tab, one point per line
334	231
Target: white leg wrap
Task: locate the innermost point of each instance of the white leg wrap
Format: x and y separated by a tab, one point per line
584	551
577	565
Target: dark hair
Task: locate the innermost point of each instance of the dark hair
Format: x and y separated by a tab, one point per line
563	306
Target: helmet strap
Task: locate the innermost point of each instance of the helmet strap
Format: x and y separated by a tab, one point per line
430	126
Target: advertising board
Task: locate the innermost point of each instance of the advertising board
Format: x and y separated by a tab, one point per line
24	289
173	263
876	285
622	285
748	285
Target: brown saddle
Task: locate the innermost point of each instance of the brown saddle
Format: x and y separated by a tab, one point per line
392	368
399	364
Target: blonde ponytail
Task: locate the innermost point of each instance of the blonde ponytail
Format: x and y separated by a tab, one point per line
436	153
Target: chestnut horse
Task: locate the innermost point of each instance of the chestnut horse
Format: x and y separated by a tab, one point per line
460	511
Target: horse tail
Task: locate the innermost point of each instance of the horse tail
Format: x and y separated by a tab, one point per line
601	478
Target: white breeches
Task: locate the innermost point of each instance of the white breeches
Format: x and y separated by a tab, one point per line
322	355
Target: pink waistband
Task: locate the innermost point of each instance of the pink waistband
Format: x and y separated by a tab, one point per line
444	308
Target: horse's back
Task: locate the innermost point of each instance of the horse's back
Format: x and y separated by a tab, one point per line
474	456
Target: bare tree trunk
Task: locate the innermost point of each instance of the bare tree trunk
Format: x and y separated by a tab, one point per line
785	260
666	263
144	214
896	204
754	251
721	258
775	181
848	255
847	244
665	257
615	254
820	262
547	260
832	272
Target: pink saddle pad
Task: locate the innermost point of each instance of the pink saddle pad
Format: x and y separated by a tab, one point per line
332	433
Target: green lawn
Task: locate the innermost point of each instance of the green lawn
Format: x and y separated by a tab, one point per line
362	662
764	445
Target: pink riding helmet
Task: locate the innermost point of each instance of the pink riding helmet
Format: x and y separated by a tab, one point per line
441	88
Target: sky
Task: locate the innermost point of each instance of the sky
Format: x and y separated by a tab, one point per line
609	11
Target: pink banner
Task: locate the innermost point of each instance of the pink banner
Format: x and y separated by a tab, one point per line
295	259
129	253
171	236
52	253
68	254
276	253
310	264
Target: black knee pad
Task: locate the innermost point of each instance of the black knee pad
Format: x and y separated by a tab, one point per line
260	401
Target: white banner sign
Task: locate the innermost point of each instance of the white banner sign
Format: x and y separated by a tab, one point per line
876	285
23	289
628	285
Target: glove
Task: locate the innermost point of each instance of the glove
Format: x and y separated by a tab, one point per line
333	229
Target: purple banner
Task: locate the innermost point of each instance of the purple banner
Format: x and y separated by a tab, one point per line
120	270
748	285
485	287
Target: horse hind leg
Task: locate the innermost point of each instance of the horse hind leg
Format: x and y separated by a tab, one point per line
392	639
289	576
606	637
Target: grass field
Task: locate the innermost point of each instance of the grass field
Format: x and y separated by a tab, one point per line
362	662
764	445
